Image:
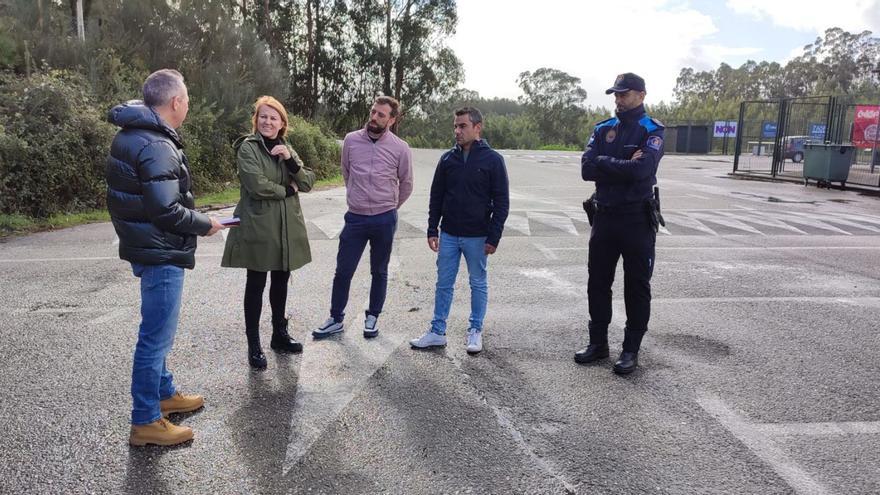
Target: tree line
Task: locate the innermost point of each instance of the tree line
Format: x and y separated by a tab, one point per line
64	63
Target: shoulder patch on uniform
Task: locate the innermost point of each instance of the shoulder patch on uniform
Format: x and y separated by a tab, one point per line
655	143
606	123
657	122
648	123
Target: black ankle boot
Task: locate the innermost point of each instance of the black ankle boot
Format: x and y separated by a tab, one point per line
282	341
256	358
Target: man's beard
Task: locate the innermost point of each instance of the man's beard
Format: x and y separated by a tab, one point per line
375	128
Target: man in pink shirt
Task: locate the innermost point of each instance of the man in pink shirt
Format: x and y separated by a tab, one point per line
377	168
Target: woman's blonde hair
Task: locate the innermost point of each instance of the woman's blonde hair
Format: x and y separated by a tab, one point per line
273	104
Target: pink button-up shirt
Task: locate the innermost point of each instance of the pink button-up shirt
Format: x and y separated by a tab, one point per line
378	176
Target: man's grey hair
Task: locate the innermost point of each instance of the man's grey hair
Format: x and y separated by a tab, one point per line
472	112
161	86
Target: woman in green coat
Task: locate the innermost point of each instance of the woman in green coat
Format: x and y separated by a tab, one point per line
272	235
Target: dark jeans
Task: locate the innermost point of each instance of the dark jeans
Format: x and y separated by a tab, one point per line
378	230
626	233
253	298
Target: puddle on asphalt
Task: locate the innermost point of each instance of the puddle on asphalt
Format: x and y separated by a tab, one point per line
774	199
695	345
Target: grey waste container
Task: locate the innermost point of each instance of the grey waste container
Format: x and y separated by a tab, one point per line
827	163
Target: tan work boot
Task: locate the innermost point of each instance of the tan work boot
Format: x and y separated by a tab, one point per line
179	403
159	432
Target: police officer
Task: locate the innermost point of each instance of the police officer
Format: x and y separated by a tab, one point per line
621	158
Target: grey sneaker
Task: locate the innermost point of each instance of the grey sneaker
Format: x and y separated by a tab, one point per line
430	339
474	341
328	328
370	328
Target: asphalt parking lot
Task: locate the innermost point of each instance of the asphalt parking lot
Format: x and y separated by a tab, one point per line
759	373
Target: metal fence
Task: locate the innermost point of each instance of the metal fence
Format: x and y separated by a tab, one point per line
772	135
756	137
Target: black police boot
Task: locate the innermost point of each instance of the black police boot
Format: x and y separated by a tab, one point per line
256	358
282	341
592	352
626	363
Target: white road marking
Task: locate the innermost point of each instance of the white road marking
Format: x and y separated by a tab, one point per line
762	219
733	248
507	423
330	224
686	220
820	429
331	374
560	222
727	222
762	446
555	283
809	221
519	223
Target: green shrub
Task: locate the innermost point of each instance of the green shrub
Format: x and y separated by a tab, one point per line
318	149
9	54
53	144
206	140
559	147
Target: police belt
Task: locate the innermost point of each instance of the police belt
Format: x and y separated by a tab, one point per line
622	208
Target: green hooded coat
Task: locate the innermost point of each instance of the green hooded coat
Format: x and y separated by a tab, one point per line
272	234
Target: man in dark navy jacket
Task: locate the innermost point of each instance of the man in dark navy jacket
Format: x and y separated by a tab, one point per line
469	204
149	195
621	158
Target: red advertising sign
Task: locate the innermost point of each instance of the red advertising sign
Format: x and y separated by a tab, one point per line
866	130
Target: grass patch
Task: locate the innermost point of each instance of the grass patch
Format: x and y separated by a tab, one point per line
231	195
329	182
222	198
558	147
21	224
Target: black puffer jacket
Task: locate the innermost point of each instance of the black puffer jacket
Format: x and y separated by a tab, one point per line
149	190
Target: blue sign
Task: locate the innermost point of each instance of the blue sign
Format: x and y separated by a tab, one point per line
817	132
768	130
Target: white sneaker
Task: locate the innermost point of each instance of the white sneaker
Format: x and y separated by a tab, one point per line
475	341
370	328
328	328
430	339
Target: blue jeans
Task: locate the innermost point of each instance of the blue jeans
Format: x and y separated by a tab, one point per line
161	287
378	230
448	259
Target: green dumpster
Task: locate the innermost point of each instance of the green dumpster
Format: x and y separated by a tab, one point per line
827	163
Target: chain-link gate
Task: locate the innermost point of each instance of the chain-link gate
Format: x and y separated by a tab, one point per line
860	124
756	137
773	134
805	120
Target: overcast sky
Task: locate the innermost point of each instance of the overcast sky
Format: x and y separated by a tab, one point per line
498	39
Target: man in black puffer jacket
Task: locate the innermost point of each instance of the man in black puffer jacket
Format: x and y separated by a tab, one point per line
149	195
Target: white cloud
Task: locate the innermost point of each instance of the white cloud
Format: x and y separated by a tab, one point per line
852	15
592	40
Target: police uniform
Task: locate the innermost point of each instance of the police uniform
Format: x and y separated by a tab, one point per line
622	223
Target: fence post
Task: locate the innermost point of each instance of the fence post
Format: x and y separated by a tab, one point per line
777	142
737	145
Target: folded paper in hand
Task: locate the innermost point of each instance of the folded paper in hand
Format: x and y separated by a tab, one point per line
231	221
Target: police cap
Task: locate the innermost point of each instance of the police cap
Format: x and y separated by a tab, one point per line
626	82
